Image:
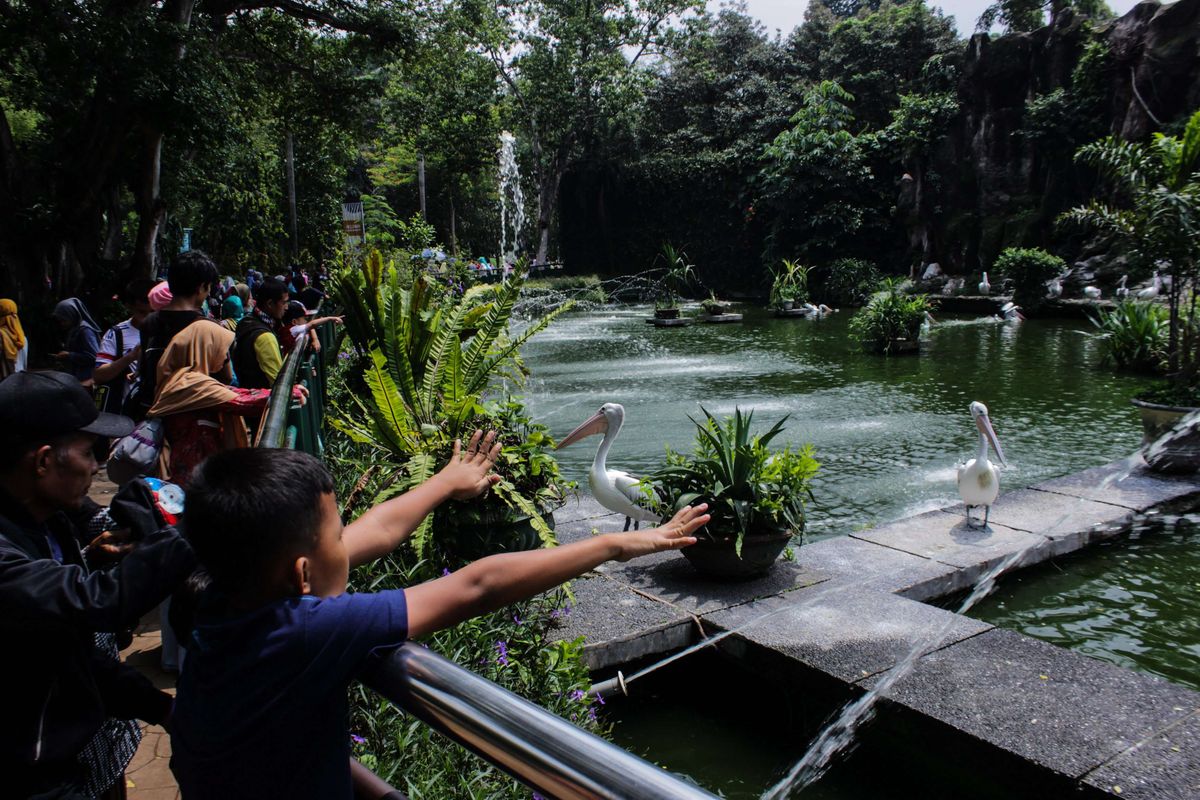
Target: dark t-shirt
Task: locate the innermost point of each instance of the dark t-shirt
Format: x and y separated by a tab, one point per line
157	332
261	709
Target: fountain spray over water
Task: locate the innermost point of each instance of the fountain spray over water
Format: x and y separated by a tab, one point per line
510	187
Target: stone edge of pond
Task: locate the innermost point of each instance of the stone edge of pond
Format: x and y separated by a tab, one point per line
859	602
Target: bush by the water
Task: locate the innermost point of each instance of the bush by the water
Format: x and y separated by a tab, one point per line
580	288
1134	336
1029	269
849	282
891	321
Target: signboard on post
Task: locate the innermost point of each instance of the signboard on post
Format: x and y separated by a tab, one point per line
352	225
187	240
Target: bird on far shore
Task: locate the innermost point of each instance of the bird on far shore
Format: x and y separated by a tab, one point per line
1151	291
1122	292
1054	288
984	286
1092	292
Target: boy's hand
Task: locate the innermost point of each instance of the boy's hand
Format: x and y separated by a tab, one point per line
466	475
674	535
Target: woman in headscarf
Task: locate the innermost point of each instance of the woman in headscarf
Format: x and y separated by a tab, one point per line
160	296
201	413
12	339
243	291
81	338
232	312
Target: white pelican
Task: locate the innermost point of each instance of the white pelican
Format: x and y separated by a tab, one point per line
615	490
1012	312
984	286
1054	287
1122	292
1092	292
1151	291
978	479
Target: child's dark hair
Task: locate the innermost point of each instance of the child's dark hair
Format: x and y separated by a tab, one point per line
189	271
270	290
137	291
248	508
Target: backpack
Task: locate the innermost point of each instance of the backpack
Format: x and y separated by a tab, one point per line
137	454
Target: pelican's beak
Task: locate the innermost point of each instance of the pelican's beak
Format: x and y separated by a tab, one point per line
985	427
597	423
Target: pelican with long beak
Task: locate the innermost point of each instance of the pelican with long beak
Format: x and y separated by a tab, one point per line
615	490
979	479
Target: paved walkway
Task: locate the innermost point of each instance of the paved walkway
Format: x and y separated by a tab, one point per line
148	776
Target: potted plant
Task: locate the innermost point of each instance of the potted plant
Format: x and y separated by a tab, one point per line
789	286
890	323
755	494
676	278
714	307
1155	218
519	513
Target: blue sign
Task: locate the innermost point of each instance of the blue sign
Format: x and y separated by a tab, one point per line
187	240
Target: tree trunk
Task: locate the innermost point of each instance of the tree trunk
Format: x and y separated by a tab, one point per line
293	224
453	228
112	225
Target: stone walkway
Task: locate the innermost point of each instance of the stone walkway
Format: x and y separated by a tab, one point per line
858	611
148	776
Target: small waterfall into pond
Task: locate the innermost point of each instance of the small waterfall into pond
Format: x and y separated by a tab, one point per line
510	189
839	735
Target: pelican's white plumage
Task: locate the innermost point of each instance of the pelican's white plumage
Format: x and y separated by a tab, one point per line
985	286
614	489
979	479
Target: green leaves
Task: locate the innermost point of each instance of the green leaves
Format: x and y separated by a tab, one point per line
889	319
747	485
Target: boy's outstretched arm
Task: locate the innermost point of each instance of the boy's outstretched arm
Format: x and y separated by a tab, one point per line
497	581
381	530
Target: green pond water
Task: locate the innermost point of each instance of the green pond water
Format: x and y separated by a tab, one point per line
1134	601
887	431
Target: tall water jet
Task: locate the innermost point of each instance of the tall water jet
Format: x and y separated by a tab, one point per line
510	189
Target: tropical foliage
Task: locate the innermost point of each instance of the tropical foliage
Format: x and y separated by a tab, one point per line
891	322
677	275
429	355
1155	218
1134	336
749	487
1029	269
789	284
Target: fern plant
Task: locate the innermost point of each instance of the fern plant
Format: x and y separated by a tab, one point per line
1155	217
430	357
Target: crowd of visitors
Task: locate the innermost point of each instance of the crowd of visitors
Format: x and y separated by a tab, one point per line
258	574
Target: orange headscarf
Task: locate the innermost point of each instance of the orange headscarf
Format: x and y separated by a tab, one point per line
185	370
12	335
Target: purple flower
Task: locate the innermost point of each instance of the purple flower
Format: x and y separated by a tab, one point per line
578	694
357	739
592	713
517	619
600	698
502	653
445	571
537	796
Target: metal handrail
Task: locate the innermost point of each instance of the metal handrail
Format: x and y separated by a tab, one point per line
542	750
274	427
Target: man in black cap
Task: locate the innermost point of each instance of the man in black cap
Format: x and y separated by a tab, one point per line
60	688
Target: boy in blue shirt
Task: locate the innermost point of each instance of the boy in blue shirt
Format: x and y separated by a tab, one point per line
261	709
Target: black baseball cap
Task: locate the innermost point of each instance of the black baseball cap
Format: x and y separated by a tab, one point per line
43	405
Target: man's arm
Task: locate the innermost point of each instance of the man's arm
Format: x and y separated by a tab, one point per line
111	370
496	581
42	593
381	530
127	693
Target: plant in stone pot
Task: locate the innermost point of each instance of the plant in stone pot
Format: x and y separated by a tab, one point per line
755	494
714	307
677	277
890	323
1154	216
518	514
1029	269
789	285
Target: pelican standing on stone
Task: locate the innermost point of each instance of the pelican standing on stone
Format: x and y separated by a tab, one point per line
979	479
615	490
984	286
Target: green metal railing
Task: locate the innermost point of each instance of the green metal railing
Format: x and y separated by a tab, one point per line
287	423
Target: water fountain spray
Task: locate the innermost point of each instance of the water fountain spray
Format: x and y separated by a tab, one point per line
510	187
